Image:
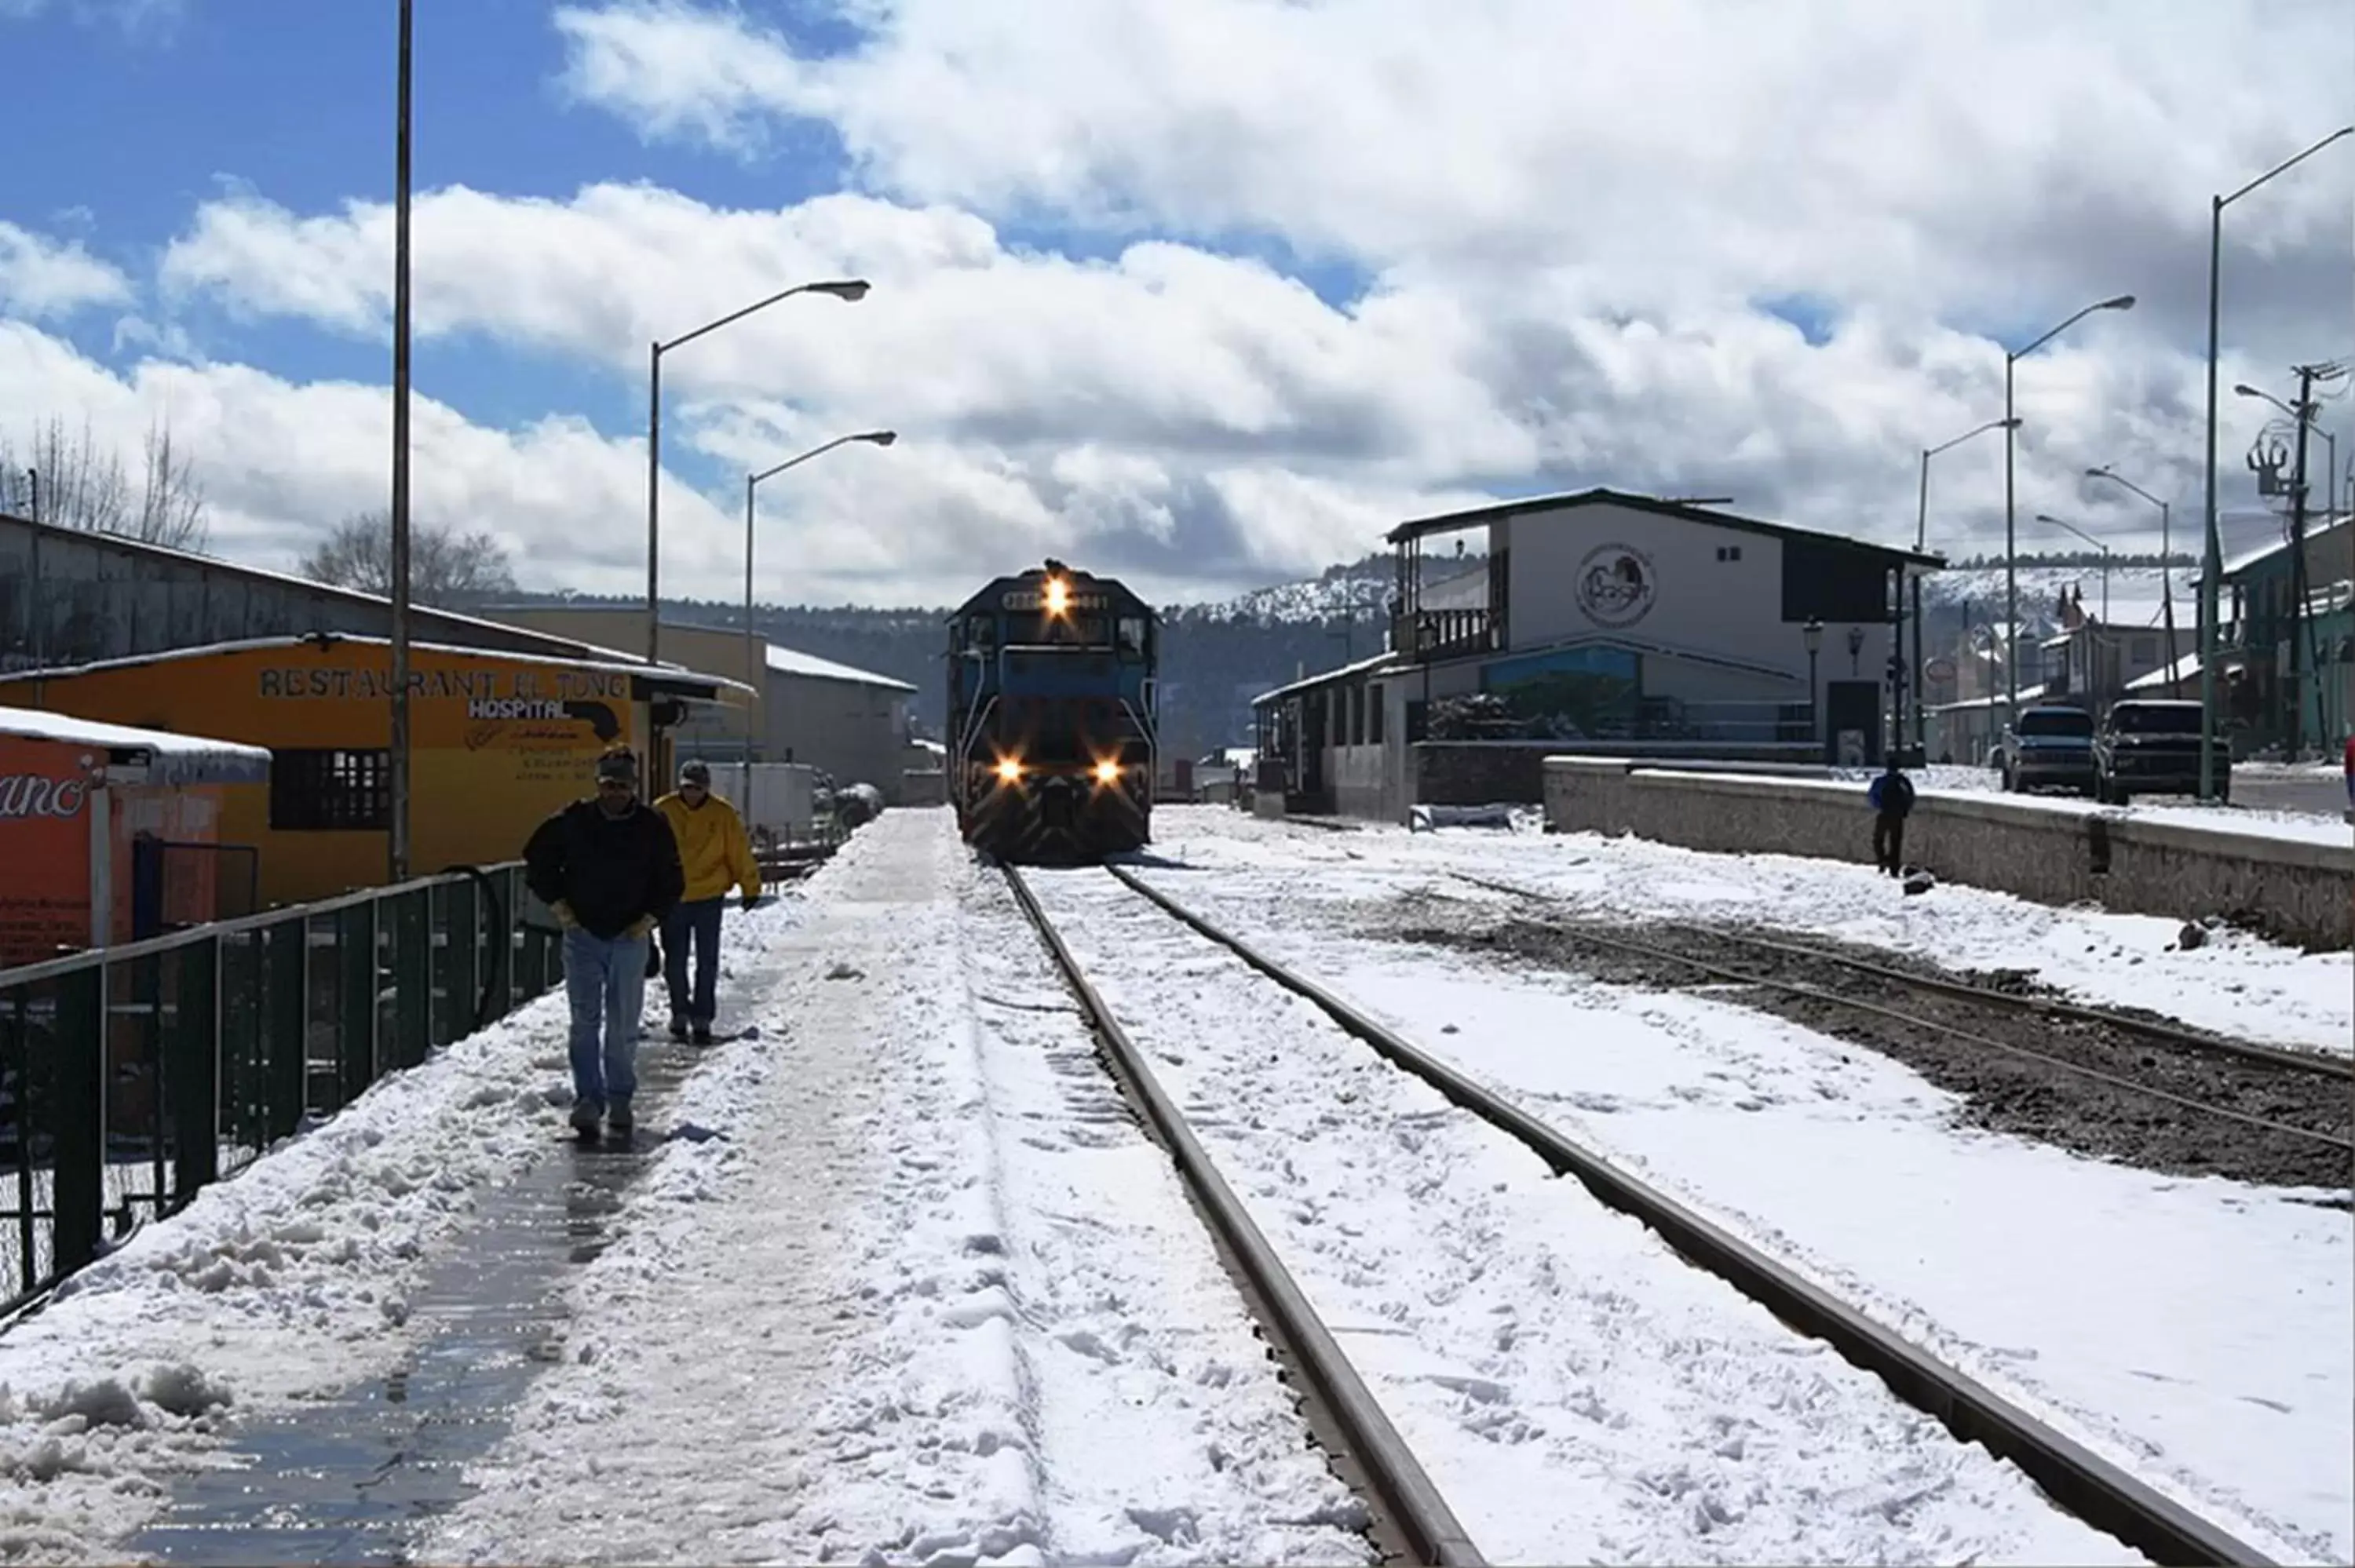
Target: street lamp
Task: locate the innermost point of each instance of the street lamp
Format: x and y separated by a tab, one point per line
1921	517
2166	572
2212	549
2071	527
2010	539
1812	634
755	671
850	289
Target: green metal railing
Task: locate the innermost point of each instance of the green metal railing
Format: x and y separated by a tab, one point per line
132	1076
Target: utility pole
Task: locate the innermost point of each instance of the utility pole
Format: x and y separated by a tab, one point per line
397	781
2306	410
2294	731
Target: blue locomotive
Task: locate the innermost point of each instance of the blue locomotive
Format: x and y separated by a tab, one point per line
1050	716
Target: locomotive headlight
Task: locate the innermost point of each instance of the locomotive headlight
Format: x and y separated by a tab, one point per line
1058	596
1010	771
1107	772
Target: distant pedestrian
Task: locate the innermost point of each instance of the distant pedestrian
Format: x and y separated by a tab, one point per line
715	854
609	868
2351	769
1891	797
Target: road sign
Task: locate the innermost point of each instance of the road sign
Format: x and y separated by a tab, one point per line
1941	668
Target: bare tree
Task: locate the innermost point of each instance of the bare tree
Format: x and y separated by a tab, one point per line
76	484
445	567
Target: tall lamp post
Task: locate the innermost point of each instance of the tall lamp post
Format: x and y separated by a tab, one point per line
2047	517
1920	542
1921	517
396	779
2166	572
851	290
753	671
2010	531
1812	634
2212	549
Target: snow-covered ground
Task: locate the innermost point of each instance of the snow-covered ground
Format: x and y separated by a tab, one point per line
288	1279
931	1296
2202	1333
2237	984
1578	1392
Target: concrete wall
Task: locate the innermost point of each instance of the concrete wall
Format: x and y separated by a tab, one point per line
2295	892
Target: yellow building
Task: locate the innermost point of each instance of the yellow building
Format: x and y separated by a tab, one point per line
498	741
852	724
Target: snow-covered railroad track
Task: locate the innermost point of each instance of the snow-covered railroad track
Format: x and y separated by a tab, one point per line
1405	1500
2152	1028
2145	1091
1407	1222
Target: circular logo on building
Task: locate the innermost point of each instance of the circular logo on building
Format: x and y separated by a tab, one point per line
1616	585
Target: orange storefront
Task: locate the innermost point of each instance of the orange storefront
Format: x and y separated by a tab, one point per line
498	741
90	814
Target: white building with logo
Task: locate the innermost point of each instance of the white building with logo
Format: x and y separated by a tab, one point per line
1606	622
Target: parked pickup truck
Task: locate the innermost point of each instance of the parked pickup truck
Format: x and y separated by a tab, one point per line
2153	748
2048	746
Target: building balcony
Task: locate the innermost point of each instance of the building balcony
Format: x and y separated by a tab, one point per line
1426	635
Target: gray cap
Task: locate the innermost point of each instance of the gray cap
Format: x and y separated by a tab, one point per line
694	770
618	764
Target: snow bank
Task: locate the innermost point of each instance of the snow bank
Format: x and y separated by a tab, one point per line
918	1290
288	1279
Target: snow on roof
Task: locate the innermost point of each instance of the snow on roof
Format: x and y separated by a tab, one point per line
2183	669
1341	672
809	666
174	759
246	645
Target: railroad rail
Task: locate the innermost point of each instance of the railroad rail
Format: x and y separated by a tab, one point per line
1414	1505
2077	1479
2152	1029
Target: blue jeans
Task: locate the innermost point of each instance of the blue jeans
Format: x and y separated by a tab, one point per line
700	919
606	983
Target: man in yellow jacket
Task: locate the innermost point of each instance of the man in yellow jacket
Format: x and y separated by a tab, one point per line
713	849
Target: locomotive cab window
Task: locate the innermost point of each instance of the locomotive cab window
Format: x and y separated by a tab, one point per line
1130	635
981	632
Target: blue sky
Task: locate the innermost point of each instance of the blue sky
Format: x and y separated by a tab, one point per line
294	99
1210	291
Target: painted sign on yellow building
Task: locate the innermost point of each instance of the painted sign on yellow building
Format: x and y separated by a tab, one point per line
498	741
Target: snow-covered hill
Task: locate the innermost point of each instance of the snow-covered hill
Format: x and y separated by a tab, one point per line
2136	593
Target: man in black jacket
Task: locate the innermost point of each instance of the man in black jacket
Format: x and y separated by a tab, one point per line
609	868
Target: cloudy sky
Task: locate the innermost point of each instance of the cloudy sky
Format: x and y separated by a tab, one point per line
1205	292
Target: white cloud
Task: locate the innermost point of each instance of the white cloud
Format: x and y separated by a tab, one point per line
2005	156
1569	216
1186	413
135	17
283	462
42	278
